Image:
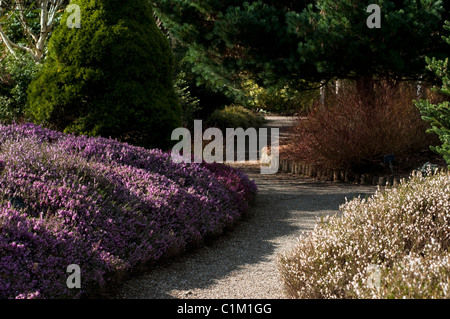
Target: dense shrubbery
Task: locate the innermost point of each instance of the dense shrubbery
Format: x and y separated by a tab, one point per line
285	100
111	77
235	116
345	134
104	205
405	231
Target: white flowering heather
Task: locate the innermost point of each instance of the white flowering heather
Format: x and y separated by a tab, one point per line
405	232
107	206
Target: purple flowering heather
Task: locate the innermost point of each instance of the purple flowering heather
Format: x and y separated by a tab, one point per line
104	205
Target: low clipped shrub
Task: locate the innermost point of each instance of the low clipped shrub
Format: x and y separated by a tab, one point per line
405	232
235	116
107	206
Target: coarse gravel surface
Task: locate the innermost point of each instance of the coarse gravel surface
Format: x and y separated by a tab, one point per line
242	263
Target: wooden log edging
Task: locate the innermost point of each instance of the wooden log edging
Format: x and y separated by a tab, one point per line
336	175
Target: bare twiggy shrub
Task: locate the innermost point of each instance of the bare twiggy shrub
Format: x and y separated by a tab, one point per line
345	134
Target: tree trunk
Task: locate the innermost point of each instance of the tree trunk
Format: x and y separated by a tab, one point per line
338	85
365	86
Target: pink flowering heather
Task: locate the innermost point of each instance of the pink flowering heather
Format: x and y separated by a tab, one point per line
104	205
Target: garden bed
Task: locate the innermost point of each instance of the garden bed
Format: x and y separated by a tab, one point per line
394	244
106	206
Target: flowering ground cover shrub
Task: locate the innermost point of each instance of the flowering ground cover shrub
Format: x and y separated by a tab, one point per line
107	206
405	232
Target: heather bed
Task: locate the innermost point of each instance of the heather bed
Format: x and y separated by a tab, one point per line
107	206
395	244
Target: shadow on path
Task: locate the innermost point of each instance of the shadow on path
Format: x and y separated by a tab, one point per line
242	264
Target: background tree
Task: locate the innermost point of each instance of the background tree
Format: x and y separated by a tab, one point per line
111	77
228	41
16	74
316	41
26	25
335	37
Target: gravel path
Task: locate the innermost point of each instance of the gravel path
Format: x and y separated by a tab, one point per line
242	264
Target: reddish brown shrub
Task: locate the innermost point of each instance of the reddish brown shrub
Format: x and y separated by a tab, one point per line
345	134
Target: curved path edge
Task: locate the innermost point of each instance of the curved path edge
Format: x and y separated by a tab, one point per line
242	263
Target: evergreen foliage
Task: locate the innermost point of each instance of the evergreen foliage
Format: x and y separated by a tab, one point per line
335	35
438	115
112	77
291	41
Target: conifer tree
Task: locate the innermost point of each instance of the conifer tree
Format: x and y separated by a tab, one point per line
313	40
438	115
111	77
